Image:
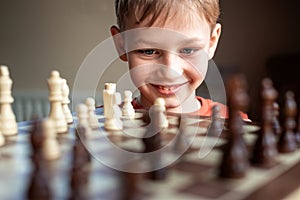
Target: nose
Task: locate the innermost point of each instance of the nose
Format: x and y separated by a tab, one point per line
173	62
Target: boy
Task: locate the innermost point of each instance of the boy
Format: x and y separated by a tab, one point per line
167	44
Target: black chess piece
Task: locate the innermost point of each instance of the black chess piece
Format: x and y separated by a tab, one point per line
152	143
287	141
216	127
181	143
38	186
297	134
36	137
265	150
129	183
235	162
276	124
79	170
81	155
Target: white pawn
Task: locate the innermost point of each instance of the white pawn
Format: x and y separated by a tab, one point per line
51	148
92	117
112	112
2	139
160	109
127	109
8	123
82	116
66	101
56	98
113	122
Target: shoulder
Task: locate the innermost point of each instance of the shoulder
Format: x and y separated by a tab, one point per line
206	108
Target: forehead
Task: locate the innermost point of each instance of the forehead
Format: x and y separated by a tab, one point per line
179	16
188	26
172	28
166	39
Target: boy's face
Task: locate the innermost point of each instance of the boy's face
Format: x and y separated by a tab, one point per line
168	61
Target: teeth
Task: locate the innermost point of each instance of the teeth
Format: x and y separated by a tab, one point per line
164	88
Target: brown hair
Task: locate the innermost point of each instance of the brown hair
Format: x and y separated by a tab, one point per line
142	9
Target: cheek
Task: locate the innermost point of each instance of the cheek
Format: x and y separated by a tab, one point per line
140	73
201	63
197	70
135	72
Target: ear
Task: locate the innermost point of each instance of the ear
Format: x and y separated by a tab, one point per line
214	39
119	42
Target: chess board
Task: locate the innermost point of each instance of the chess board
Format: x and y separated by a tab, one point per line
193	175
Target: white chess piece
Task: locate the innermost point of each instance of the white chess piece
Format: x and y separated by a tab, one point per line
2	139
114	122
8	123
160	109
92	117
51	148
112	111
55	98
82	116
127	109
66	101
108	92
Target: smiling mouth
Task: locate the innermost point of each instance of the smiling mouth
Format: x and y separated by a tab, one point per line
167	90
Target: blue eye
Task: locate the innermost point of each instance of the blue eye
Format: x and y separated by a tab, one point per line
187	50
148	52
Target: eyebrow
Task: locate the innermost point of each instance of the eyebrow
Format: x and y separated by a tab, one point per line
182	42
147	42
192	40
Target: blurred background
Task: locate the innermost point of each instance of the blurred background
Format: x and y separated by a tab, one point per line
260	38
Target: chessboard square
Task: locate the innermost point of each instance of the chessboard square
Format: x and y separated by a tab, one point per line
205	189
98	144
212	158
174	180
207	142
192	167
134	132
101	182
133	145
129	123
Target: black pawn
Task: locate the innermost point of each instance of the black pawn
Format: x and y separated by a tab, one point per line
38	185
276	124
129	183
297	134
265	150
216	127
79	169
287	141
36	138
235	153
181	143
80	150
152	143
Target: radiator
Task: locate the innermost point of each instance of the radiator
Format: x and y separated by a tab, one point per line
28	104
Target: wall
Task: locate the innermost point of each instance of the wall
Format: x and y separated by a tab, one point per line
39	36
253	31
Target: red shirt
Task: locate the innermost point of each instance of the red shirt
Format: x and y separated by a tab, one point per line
205	110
